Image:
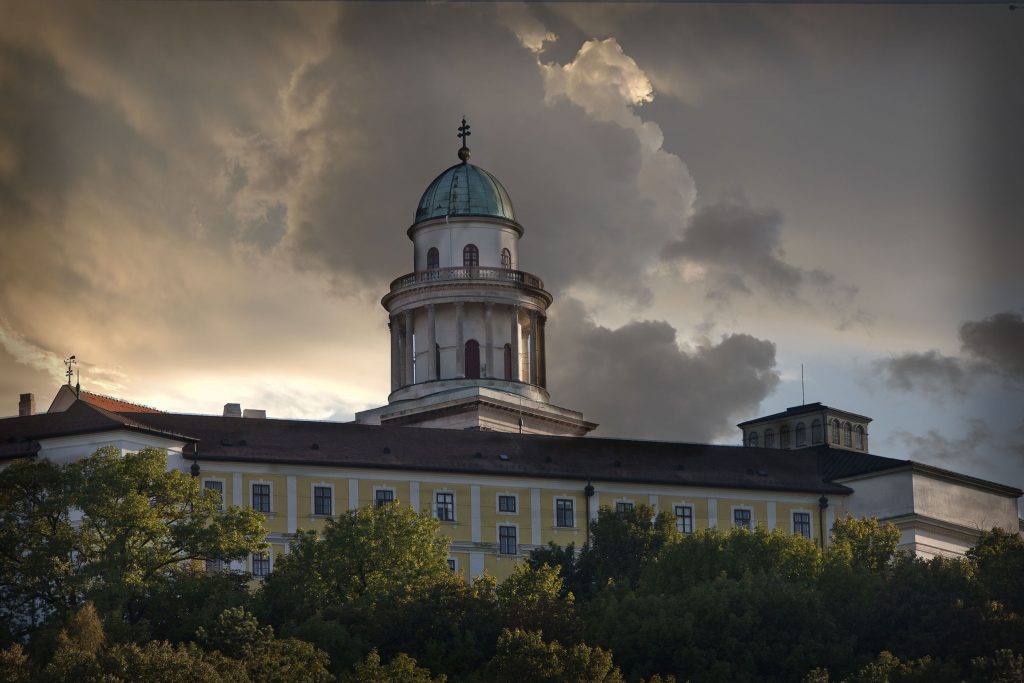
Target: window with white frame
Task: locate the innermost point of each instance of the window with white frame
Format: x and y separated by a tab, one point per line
847	434
742	518
783	436
507	503
261	563
214	566
835	431
382	497
623	506
801	434
816	435
218	486
323	503
684	518
445	506
261	497
564	514
452	564
752	439
507	544
802	524
860	438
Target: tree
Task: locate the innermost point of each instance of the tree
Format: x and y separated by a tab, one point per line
623	543
401	669
531	600
863	543
139	525
998	558
524	656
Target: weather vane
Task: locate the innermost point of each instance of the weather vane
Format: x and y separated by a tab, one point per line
464	134
69	362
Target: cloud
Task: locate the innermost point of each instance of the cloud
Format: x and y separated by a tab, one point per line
997	342
26	353
531	32
738	250
637	381
992	346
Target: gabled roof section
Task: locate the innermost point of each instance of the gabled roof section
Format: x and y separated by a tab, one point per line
81	417
66	396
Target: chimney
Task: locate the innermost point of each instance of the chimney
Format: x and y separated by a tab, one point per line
232	410
26	405
252	412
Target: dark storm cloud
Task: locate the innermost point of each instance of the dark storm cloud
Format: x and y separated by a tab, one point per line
636	381
993	346
997	342
741	247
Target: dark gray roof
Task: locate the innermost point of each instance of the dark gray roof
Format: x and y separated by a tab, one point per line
335	444
793	411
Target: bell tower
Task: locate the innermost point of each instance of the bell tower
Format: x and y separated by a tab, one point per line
467	325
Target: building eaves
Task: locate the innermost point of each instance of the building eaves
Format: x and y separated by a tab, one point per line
805	409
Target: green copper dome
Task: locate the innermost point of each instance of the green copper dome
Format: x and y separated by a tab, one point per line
465	190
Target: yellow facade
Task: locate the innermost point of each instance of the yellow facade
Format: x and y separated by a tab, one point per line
538	510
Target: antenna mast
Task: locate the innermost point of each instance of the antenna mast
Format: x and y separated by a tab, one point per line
803	395
69	362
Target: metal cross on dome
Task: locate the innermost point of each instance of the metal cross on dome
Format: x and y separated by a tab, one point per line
464	134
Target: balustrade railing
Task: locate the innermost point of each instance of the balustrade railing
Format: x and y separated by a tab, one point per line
465	273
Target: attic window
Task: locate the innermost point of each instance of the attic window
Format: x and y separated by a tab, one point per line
502	456
385	450
315	447
478	454
243	442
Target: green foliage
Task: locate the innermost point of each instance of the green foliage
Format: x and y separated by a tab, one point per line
401	669
14	665
887	668
863	543
566	561
531	600
999	560
139	524
524	656
707	554
622	544
1002	667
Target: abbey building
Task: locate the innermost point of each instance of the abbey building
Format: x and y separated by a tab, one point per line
469	434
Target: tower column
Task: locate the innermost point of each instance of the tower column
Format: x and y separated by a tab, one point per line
542	352
533	346
460	341
514	334
432	369
409	350
489	340
396	353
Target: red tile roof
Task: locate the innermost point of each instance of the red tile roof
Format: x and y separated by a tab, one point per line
115	405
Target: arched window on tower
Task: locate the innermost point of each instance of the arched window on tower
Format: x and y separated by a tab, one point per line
470	256
816	435
769	438
784	436
472	359
801	434
508	361
433	259
506	259
860	437
847	434
752	440
835	431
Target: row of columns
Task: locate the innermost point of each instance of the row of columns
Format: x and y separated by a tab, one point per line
402	328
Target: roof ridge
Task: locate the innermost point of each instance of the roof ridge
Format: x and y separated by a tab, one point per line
117	399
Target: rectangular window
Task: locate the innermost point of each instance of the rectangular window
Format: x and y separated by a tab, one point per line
382	497
741	519
261	497
623	507
564	513
507	540
218	486
446	507
451	564
214	566
322	500
802	524
506	503
684	518
260	564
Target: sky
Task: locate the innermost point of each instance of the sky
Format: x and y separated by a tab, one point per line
205	202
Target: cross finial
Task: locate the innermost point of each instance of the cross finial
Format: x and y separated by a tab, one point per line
464	135
69	362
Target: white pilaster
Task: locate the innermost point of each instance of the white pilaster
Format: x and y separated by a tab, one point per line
236	489
514	334
533	347
433	372
353	494
488	370
414	495
408	350
652	500
396	354
712	513
771	515
476	564
460	341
